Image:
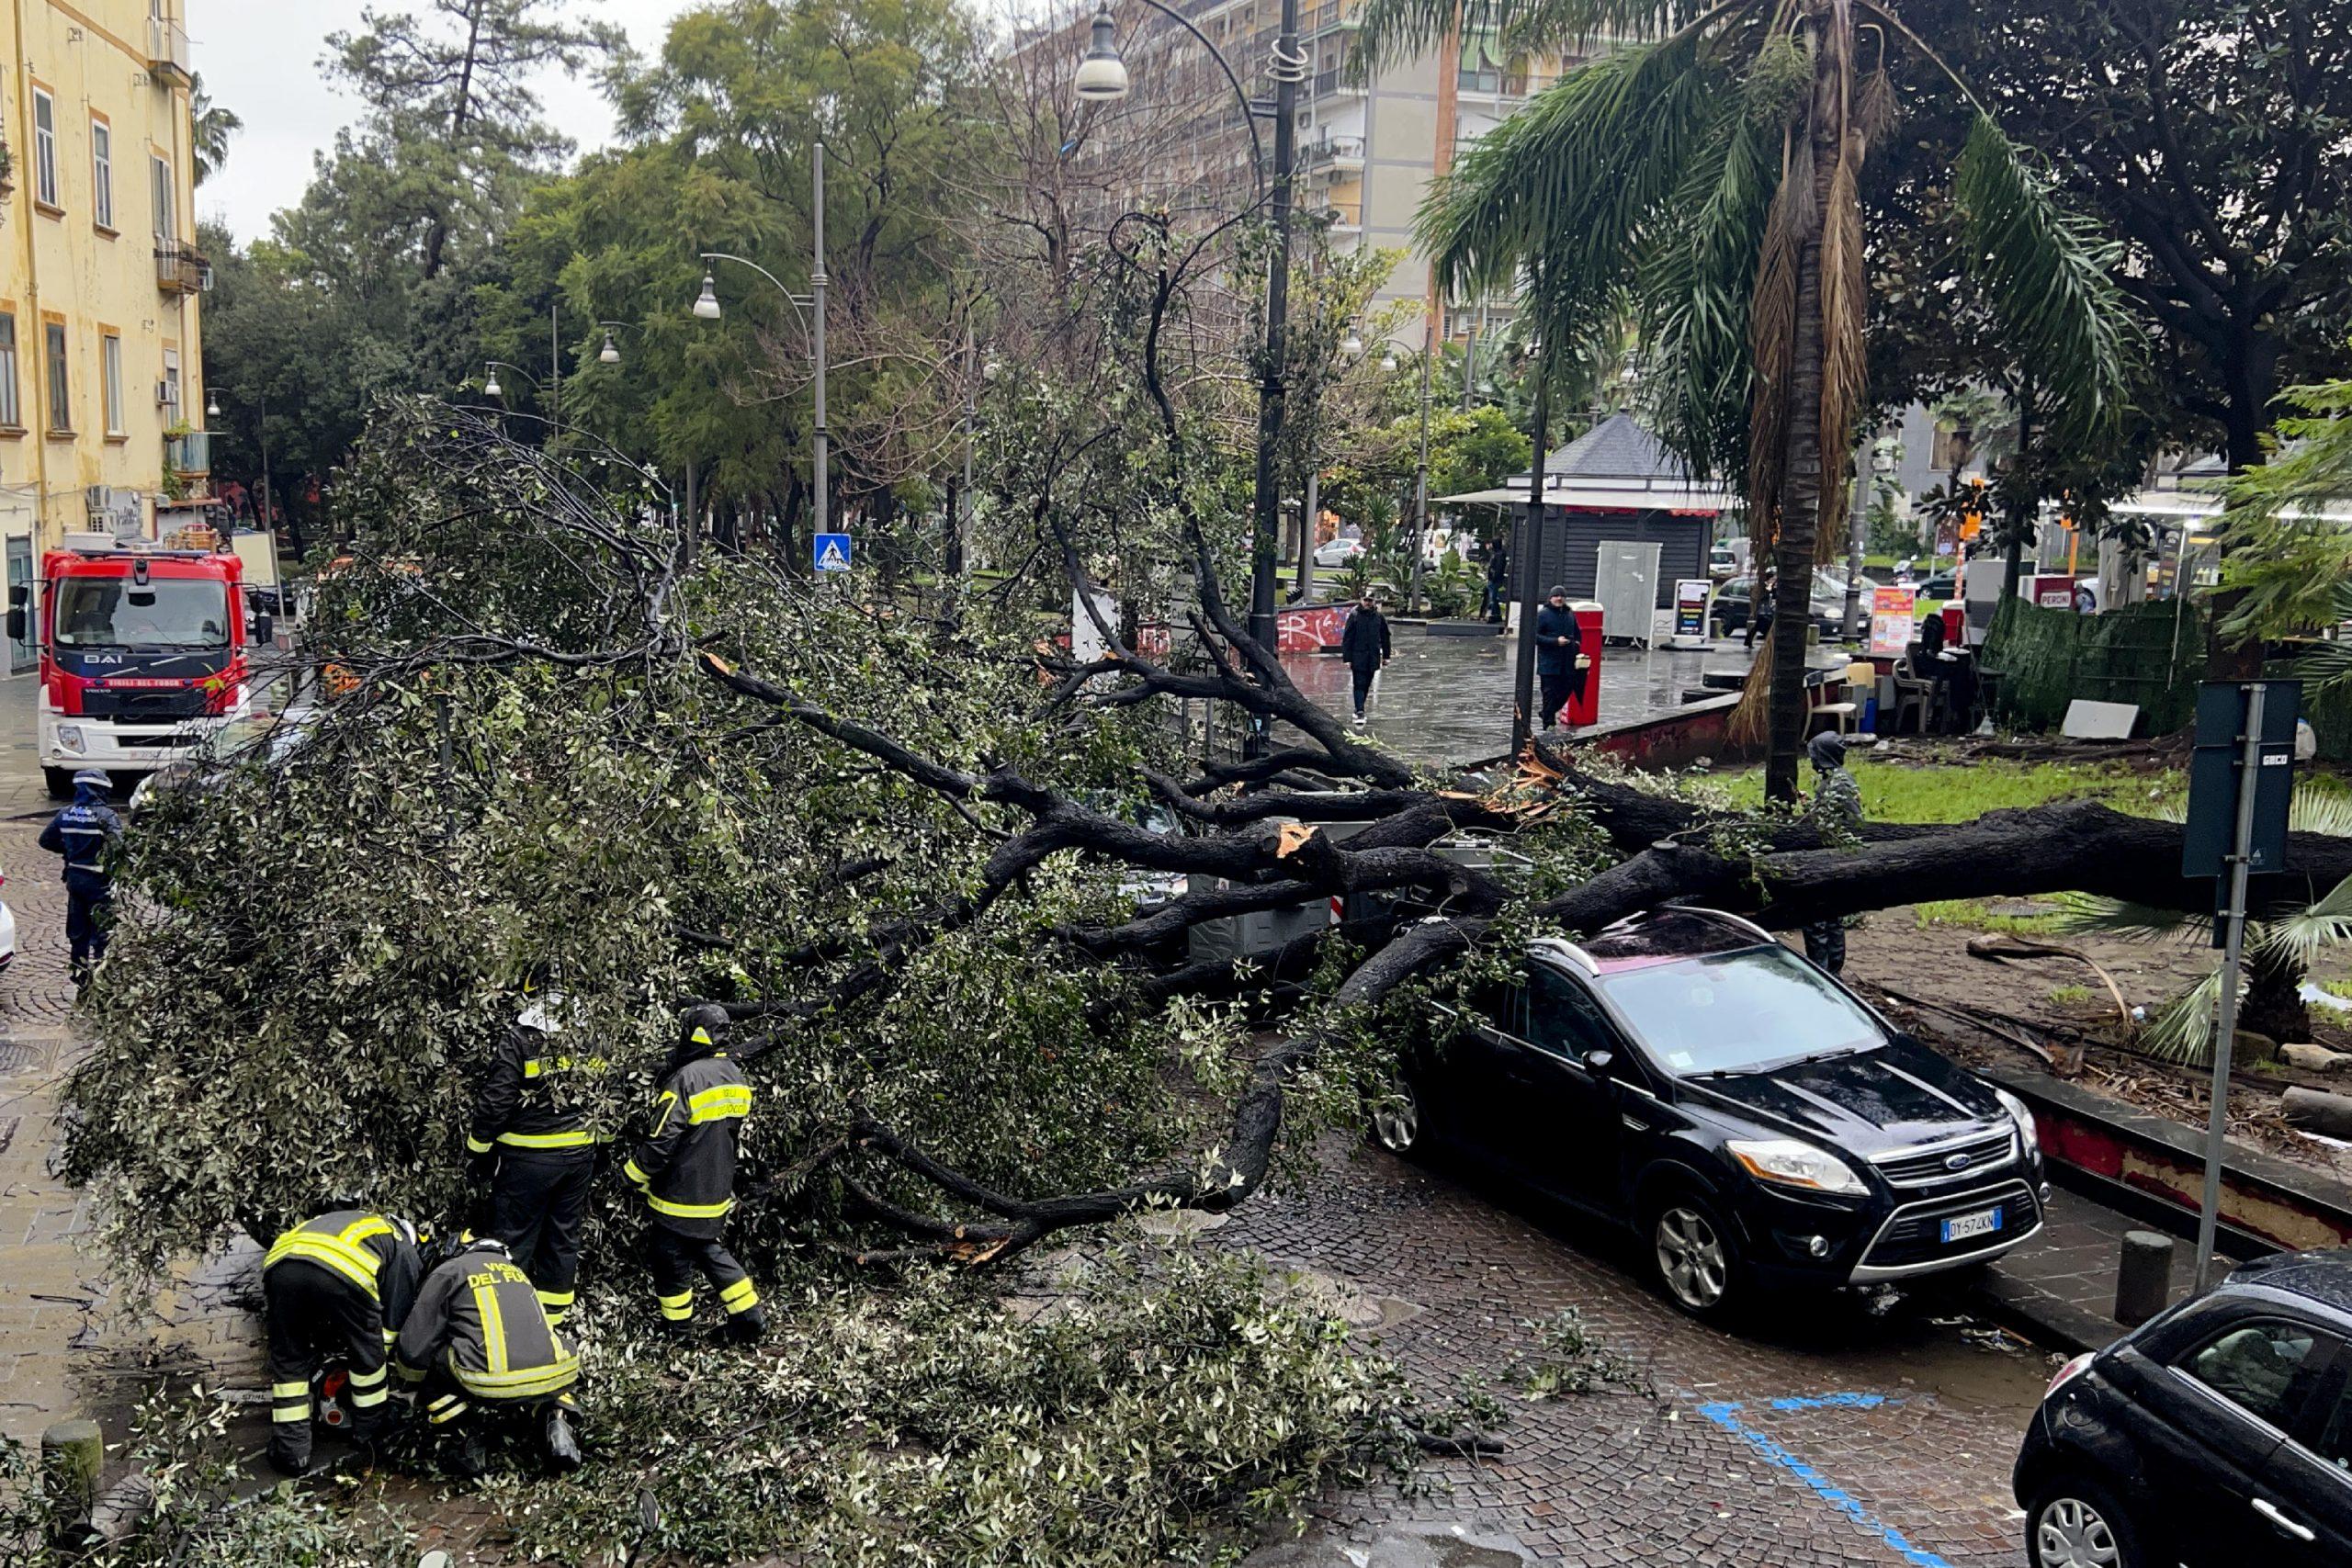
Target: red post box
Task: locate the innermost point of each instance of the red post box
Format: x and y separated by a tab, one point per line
1584	707
1955	617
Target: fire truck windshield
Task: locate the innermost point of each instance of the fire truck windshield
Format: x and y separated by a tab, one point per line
166	612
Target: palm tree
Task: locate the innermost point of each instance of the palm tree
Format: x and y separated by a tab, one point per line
1715	172
209	129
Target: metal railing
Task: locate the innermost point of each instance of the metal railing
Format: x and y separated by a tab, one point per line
1331	150
168	54
180	268
189	453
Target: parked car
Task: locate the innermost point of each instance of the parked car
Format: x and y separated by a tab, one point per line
1754	1122
1731	607
1722	563
7	934
1339	552
2218	1433
266	738
1941	586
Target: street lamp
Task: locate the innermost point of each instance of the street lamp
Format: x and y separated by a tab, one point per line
1101	77
261	430
611	353
1351	345
491	388
813	305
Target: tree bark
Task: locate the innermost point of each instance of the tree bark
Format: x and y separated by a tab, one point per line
2274	999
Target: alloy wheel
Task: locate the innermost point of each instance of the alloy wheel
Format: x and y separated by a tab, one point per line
1396	1121
1692	1259
2072	1534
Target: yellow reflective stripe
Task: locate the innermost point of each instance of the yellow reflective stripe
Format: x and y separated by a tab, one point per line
360	1230
288	1413
667	1103
560	1373
718	1104
441	1412
679	1307
391	1335
366	1398
289	1391
493	1327
634	1172
741	1293
690	1211
331	1252
557	1298
408	1373
366	1380
533	1068
701	1036
476	1146
579	1139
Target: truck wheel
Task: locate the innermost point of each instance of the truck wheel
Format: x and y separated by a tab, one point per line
60	782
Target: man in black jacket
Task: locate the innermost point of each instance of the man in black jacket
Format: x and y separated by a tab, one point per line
533	1143
1498	581
685	1168
1365	645
1559	653
339	1286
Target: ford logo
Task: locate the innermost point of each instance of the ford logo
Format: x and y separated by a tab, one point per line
1959	1162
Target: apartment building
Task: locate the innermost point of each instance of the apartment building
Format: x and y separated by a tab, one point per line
100	285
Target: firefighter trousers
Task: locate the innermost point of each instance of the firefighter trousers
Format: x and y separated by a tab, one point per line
312	1314
537	1200
675	1260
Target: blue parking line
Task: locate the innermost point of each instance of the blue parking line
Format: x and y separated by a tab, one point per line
1725	1414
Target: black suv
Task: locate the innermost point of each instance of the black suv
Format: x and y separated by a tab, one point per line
1755	1121
2219	1433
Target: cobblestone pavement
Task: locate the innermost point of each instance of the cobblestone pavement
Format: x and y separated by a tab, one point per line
1839	1438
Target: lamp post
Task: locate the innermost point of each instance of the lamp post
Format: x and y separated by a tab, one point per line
812	306
1102	76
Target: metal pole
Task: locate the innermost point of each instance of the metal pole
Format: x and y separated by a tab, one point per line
1271	384
555	370
1421	470
2233	961
1857	525
961	522
260	428
1470	359
1309	525
1531	553
817	281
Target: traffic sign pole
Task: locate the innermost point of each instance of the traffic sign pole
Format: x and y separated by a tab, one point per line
2232	962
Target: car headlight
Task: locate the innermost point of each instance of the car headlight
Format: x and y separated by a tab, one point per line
1789	1163
69	736
2028	1134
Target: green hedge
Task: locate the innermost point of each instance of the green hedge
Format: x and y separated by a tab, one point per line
2152	655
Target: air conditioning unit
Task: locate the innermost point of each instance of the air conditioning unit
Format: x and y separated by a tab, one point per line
167	395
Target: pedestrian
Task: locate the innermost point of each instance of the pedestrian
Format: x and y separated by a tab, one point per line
533	1144
1561	658
685	1168
1498	581
1365	645
1767	606
87	833
339	1286
1837	810
482	1349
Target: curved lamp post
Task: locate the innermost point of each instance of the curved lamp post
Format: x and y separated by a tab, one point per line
1101	77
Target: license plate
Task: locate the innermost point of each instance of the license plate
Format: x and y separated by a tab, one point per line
1966	1225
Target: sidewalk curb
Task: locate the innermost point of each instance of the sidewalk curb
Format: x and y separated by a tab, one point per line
2043	1320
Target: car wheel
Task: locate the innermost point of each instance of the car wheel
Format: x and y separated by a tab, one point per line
1694	1255
2077	1524
60	782
1397	1120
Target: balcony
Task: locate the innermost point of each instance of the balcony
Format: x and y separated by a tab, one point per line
169	59
180	268
1334	152
1333	81
1346	215
188	455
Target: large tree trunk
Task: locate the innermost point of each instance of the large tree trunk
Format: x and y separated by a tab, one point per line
2274	999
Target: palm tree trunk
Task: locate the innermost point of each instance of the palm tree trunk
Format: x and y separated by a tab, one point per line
2274	999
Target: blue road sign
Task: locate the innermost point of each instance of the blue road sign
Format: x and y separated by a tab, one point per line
833	552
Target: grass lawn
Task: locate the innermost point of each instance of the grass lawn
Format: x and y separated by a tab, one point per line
1958	793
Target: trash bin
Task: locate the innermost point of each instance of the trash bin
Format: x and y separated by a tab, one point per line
1584	707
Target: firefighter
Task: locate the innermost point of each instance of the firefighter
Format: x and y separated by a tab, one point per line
533	1144
339	1285
481	1346
685	1168
85	833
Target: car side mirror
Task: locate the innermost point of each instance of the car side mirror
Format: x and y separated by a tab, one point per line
265	629
16	623
1600	1061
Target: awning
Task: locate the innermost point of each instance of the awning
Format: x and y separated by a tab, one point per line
1601	498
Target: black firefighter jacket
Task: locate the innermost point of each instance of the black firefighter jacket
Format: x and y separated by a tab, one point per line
686	1164
524	1100
363	1249
479	1319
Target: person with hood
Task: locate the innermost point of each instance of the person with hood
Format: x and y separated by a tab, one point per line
1837	809
339	1286
1560	655
685	1168
1365	645
86	834
481	1346
533	1143
1498	581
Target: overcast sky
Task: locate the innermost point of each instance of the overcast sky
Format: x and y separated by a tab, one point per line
260	58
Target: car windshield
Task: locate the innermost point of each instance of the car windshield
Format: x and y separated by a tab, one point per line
1737	1012
162	613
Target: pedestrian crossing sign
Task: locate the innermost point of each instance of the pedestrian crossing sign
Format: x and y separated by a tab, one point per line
833	552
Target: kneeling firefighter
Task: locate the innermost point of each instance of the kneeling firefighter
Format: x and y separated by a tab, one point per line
337	1286
480	1344
687	1168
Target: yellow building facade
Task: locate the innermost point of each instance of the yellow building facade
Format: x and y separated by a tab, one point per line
101	285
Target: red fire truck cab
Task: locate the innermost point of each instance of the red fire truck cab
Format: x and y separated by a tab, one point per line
142	653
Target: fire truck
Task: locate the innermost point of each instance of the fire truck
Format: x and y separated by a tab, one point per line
143	653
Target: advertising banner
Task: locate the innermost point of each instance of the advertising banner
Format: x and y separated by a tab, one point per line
1894	624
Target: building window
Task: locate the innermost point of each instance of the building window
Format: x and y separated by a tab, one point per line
102	173
172	382
110	366
44	148
12	415
61	397
166	222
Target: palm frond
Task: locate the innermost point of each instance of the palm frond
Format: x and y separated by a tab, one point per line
2299	939
2329	663
2083	914
1571	181
2321	811
1773	336
2183	1029
1845	362
1389	32
2045	272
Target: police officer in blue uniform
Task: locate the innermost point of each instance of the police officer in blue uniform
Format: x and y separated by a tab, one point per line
85	833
